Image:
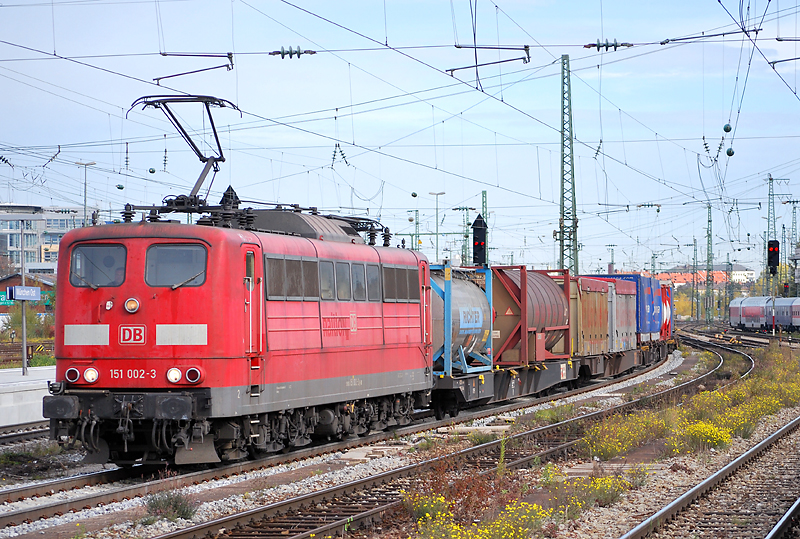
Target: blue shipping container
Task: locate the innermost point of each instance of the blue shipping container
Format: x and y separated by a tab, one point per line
645	325
655	286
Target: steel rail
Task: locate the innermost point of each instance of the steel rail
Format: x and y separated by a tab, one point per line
786	522
25	436
23	432
22	426
15	494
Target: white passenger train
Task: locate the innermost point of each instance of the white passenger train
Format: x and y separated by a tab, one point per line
757	313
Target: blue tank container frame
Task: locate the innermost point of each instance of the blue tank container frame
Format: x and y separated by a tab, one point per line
481	362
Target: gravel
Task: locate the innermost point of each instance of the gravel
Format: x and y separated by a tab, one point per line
211	510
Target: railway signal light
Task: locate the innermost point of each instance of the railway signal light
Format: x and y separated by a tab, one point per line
773	256
479	241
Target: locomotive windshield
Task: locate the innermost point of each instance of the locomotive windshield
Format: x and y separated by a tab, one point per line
95	265
175	265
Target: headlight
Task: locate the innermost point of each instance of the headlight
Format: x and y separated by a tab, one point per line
72	375
90	375
174	375
132	305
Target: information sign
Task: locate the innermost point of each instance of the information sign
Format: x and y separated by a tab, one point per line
24	293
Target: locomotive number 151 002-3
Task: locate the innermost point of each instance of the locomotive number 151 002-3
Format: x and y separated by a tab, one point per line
133	374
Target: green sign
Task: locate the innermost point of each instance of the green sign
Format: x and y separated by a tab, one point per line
5	302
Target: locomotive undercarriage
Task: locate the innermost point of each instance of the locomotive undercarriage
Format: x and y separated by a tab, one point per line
117	428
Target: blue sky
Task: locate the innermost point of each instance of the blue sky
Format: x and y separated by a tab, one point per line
69	71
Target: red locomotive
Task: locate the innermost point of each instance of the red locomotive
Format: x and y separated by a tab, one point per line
253	331
226	341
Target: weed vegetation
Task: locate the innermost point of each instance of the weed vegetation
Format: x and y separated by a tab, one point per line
494	506
709	419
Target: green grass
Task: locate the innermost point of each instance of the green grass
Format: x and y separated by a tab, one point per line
38	360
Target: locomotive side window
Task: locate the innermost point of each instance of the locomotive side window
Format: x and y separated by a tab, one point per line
401	283
310	279
175	265
389	286
343	280
413	284
275	278
359	282
374	283
95	265
294	279
326	281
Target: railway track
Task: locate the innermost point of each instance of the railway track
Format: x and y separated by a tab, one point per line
745	499
788	527
724	333
336	510
757	495
146	483
12	352
25	432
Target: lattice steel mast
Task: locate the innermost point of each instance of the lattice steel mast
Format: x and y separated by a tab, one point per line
568	219
709	270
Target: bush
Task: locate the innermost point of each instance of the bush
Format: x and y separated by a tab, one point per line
606	490
480	438
637	475
426	444
171	504
616	435
517	520
556	414
699	436
38	327
428	507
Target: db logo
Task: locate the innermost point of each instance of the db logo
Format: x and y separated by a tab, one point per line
131	334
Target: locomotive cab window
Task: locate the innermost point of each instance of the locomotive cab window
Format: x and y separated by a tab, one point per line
400	284
175	265
95	265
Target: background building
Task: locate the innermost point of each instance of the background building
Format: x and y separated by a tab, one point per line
40	237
